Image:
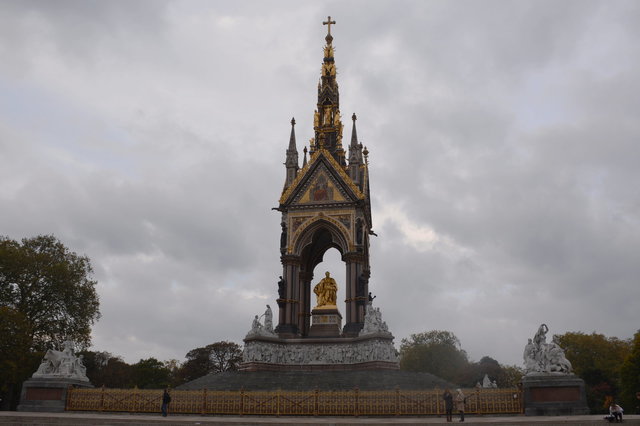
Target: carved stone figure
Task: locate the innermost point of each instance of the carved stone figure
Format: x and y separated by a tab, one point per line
529	355
541	335
326	291
283	236
62	364
542	357
282	288
373	322
557	361
255	325
259	329
358	231
486	382
316	119
268	319
327	116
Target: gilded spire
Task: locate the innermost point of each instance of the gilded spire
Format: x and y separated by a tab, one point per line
327	121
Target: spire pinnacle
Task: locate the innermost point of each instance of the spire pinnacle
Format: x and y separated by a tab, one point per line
292	138
327	120
328	23
291	159
354	135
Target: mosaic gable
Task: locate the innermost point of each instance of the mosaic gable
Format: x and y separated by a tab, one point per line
321	189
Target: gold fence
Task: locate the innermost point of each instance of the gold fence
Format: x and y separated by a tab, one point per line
293	403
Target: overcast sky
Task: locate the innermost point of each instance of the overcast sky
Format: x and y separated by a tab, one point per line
504	159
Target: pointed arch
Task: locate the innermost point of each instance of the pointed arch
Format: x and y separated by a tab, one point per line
321	233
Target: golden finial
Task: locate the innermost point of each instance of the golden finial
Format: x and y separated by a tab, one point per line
366	155
328	23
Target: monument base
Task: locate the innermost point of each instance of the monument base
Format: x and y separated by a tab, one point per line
549	394
372	351
325	323
47	395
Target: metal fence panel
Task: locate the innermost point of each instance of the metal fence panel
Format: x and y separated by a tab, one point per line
293	403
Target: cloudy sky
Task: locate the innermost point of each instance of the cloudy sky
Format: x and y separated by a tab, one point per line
504	140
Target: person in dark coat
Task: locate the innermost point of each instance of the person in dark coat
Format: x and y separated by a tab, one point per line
166	399
448	403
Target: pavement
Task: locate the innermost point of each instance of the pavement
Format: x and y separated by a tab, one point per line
29	418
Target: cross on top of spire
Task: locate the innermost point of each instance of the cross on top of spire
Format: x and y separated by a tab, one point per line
328	24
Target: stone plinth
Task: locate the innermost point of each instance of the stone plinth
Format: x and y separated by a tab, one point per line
325	322
50	394
373	351
549	394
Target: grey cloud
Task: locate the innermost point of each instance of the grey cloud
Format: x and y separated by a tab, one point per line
508	129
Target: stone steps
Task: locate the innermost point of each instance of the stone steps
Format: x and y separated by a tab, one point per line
321	380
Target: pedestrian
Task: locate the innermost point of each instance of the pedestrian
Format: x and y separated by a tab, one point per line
448	403
460	401
166	399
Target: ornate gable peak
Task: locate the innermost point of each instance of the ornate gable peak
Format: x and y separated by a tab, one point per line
320	154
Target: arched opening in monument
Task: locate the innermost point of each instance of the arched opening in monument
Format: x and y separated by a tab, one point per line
332	262
321	247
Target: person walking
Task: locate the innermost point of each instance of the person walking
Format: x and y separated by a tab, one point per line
166	399
448	404
460	401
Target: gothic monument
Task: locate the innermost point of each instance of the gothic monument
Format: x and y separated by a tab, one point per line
324	204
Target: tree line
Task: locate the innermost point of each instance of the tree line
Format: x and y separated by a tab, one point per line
48	295
609	366
105	369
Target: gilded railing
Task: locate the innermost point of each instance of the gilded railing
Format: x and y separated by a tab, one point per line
293	403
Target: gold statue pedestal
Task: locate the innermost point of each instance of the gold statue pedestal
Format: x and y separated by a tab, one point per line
326	321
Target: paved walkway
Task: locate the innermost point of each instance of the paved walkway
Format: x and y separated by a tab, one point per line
21	418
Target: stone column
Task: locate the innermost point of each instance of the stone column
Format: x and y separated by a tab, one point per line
354	316
290	306
304	313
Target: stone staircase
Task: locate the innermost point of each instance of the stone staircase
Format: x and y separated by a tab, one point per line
321	380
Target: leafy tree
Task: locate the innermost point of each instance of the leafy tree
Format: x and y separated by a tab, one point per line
150	374
173	365
596	359
630	372
213	358
103	368
51	288
510	376
16	360
504	375
436	352
116	374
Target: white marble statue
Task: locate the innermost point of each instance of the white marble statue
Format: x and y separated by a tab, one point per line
268	319
541	357
373	322
259	329
62	364
486	382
